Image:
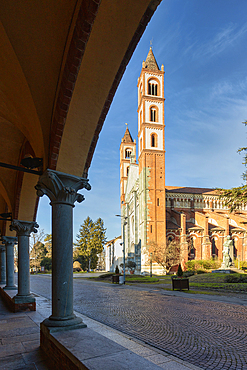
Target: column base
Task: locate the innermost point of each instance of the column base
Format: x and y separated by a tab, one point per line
23	298
13	287
63	324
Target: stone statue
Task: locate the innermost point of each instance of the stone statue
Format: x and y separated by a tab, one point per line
226	253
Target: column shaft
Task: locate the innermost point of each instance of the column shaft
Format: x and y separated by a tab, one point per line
23	266
10	277
62	262
3	266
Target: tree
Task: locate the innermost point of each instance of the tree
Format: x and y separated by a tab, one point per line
48	245
90	242
36	245
38	252
165	256
234	198
46	262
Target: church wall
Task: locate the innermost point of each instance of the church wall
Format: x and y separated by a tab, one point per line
198	216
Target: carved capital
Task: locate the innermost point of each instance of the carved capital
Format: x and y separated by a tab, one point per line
24	227
9	240
61	187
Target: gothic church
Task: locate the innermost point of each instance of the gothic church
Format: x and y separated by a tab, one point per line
152	211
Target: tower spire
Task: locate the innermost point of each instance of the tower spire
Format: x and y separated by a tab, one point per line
151	62
127	136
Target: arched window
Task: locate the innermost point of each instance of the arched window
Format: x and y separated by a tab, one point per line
154	140
192	250
128	153
214	249
153	114
153	87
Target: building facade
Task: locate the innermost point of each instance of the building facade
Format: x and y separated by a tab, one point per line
154	212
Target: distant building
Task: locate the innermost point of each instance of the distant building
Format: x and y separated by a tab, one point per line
152	211
113	254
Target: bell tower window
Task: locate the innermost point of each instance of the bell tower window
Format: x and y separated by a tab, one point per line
152	88
153	114
153	140
128	153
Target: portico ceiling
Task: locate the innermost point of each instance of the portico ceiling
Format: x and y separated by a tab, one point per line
60	64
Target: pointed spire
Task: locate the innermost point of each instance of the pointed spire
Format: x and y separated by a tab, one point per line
150	62
127	137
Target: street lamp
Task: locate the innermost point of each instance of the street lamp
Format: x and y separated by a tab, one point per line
151	265
124	223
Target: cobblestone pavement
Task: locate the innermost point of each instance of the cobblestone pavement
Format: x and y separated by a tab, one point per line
208	334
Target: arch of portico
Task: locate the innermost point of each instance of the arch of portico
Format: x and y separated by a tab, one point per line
60	65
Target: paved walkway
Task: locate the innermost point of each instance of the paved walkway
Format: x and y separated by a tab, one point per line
19	340
19	344
206	330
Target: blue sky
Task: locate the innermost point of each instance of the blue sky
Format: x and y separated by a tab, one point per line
202	45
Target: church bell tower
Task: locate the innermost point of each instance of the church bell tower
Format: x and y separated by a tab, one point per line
127	154
151	151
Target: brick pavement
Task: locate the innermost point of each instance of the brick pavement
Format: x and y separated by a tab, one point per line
19	344
204	332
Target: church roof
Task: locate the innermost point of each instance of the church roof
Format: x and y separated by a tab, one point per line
190	190
171	225
150	62
127	137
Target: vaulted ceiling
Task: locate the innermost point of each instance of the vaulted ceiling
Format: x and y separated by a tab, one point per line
60	65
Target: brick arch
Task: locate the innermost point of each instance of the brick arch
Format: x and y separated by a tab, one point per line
83	26
136	37
82	30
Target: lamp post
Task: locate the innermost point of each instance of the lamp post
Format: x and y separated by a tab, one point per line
151	265
124	223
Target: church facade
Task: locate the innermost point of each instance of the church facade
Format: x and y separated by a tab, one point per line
154	212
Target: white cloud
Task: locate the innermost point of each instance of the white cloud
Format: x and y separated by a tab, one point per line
224	39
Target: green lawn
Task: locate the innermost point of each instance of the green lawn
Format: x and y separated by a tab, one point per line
208	283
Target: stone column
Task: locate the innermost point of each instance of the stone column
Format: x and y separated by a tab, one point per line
9	242
2	265
62	190
23	230
206	245
183	241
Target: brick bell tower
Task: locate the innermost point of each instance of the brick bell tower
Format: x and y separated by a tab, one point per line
151	151
127	153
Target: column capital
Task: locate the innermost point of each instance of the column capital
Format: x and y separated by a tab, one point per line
61	187
24	227
9	239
